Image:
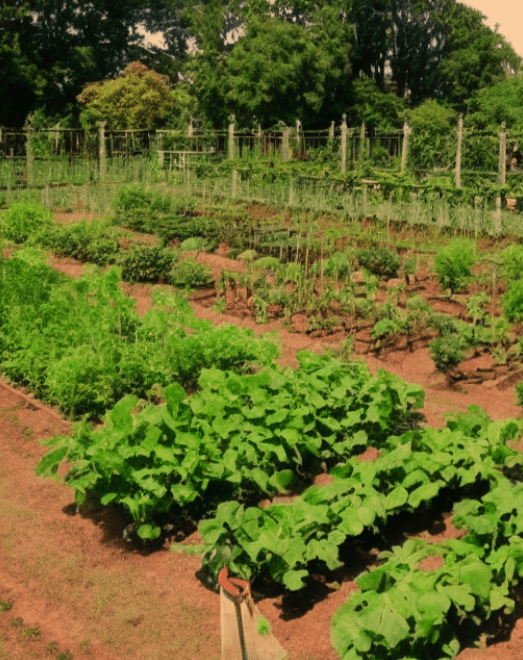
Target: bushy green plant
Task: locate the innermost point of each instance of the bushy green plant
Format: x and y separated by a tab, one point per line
447	351
453	264
190	275
147	264
513	302
379	261
512	268
21	220
136	207
95	242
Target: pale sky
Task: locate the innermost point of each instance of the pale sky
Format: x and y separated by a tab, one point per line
509	15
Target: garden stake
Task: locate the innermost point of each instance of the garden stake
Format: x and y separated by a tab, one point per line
250	642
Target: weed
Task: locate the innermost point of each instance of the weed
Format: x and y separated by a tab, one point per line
5	605
64	656
32	633
27	432
52	647
17	622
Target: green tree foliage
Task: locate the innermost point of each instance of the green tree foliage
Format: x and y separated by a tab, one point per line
139	98
502	102
475	56
433	140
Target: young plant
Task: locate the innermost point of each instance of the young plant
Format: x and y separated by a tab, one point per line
453	264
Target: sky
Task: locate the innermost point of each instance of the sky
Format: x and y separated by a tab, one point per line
509	15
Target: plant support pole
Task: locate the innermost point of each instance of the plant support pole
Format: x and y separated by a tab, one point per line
458	151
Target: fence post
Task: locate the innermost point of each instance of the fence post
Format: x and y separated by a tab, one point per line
458	151
343	143
234	189
159	148
230	150
363	145
405	147
299	138
502	166
285	154
102	152
190	128
29	155
331	131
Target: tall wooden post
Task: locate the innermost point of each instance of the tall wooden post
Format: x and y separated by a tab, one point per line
343	143
285	152
458	151
405	147
102	151
363	144
230	150
29	155
502	165
331	131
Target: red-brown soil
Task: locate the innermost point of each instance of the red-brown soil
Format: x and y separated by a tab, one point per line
89	593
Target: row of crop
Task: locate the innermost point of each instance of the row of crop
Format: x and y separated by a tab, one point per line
239	437
81	345
284	542
404	610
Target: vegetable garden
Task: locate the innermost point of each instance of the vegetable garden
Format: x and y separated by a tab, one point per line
200	426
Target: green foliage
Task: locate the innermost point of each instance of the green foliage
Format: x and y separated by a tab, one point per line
190	275
238	437
136	206
513	302
147	264
512	263
95	242
453	264
379	261
80	344
433	139
447	351
138	99
21	220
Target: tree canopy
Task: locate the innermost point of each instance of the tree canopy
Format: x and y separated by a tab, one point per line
264	61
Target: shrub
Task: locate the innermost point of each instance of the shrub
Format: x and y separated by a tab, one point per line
453	264
84	241
135	207
190	275
513	302
379	261
512	268
447	351
21	220
147	264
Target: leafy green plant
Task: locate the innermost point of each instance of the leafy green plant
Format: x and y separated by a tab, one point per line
513	302
447	351
453	264
21	220
147	264
379	261
189	274
512	263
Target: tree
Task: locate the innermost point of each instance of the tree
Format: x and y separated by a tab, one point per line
138	99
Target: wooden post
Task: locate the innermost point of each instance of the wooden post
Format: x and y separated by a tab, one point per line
405	147
497	216
102	152
331	131
234	184
285	153
29	155
231	150
159	147
502	165
458	151
343	144
363	144
190	128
